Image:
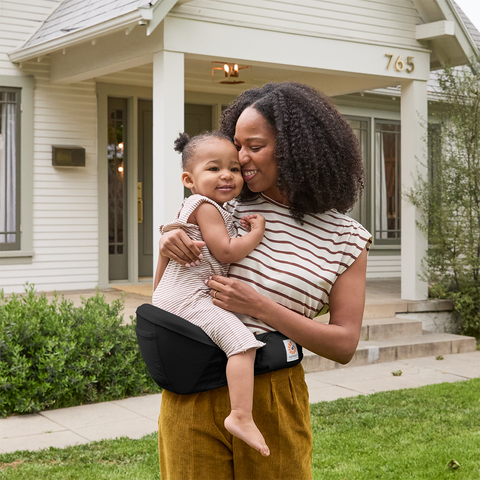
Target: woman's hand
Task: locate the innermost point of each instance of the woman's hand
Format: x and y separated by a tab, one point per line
180	248
234	295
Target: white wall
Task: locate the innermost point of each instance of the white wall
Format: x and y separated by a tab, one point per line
382	21
65	215
384	266
18	22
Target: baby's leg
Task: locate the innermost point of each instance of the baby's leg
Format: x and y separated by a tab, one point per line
240	388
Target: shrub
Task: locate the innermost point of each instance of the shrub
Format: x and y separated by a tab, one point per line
55	355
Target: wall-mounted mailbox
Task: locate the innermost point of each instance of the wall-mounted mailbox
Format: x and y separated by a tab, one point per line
68	156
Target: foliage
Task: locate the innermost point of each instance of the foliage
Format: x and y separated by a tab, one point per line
56	355
404	434
450	197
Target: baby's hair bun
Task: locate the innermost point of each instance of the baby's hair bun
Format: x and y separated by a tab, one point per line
181	142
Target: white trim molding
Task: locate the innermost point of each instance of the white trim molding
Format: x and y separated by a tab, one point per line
428	31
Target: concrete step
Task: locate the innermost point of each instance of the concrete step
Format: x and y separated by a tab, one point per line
384	328
392	349
381	309
389	308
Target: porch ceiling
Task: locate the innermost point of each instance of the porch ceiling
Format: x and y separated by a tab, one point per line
198	78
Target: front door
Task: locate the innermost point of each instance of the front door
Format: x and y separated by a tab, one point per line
145	188
117	191
198	119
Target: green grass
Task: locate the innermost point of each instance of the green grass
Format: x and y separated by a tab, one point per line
405	434
122	458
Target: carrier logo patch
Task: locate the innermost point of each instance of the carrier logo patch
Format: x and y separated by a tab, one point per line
291	349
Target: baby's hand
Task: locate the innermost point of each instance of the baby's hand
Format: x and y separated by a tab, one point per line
253	222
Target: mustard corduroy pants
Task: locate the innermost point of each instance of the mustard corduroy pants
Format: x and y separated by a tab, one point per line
194	444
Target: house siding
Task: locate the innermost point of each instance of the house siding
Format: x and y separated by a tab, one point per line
65	212
18	22
384	266
389	22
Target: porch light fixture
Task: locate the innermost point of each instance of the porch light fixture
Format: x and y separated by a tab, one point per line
230	72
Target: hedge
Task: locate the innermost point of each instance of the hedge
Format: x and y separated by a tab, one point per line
53	354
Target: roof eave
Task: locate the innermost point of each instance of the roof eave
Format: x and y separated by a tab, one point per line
147	15
90	33
471	41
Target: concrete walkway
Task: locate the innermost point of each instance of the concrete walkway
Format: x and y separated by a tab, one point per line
135	417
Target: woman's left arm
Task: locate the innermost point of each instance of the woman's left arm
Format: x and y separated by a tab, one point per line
336	340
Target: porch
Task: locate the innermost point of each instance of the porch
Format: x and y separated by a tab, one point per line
382	298
393	329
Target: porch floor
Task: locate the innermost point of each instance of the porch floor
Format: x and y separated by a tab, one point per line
379	290
382	298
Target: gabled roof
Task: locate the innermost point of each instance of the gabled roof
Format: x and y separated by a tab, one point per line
74	15
472	30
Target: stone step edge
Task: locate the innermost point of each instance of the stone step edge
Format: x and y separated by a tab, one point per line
390	308
402	348
386	327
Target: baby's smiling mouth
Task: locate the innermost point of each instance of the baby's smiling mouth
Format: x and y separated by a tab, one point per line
225	187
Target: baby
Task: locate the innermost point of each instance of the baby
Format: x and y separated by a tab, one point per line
212	172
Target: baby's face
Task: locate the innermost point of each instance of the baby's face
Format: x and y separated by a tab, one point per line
215	173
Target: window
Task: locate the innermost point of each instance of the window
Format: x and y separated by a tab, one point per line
387	197
361	128
9	168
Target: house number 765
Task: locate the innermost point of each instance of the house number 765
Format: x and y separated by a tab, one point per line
399	64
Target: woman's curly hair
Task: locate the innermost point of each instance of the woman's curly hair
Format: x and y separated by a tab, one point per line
320	166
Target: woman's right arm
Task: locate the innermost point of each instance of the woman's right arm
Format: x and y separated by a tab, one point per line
179	247
336	340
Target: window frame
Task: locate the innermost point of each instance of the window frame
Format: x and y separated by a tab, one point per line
393	242
4	246
365	199
23	253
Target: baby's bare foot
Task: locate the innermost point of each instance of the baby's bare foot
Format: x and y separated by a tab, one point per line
243	427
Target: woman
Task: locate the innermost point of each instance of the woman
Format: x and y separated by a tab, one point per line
302	168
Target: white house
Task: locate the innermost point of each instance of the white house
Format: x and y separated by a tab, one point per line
118	79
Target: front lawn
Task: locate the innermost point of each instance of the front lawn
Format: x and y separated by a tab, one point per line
405	434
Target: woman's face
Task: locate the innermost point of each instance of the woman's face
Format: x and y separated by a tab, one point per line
255	142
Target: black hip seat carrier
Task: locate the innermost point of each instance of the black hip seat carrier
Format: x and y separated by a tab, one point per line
182	358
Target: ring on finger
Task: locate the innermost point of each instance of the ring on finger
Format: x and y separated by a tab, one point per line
215	294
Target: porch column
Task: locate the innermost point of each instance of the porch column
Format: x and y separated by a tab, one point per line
168	122
414	116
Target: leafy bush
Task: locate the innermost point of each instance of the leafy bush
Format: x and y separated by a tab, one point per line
55	355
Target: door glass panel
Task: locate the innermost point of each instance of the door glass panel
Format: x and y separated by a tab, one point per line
117	218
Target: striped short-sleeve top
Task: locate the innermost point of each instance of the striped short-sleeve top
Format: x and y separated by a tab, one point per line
296	265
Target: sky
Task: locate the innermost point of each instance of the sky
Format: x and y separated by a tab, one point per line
472	10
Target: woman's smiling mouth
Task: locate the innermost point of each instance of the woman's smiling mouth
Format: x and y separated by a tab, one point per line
248	174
